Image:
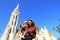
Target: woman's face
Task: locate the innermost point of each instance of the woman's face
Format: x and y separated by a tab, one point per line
29	22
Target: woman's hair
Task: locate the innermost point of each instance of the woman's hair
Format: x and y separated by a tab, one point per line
31	24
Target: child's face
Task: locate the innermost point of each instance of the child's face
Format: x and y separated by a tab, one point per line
25	24
22	26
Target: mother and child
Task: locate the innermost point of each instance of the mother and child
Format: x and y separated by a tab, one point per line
28	29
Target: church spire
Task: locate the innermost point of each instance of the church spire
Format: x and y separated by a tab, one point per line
17	6
12	25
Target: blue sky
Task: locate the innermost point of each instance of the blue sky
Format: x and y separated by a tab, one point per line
42	12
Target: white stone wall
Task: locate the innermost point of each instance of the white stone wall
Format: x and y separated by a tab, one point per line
39	36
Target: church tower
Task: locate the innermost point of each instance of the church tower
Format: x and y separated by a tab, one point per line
12	25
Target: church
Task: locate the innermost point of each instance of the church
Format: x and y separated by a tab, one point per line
11	28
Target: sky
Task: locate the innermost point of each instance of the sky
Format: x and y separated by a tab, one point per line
42	12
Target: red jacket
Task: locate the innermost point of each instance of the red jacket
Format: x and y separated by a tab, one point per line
31	29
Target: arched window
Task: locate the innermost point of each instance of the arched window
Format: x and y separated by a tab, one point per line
12	23
16	17
15	23
13	16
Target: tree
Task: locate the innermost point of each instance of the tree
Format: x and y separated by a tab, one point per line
57	27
